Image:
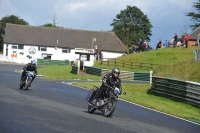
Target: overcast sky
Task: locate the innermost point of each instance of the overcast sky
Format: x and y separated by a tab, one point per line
166	16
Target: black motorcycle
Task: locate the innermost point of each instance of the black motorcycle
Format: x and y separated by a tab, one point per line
107	103
25	83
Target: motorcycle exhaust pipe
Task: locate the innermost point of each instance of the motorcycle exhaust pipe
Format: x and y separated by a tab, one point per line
90	104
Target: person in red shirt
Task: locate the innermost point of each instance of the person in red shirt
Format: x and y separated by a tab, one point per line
187	38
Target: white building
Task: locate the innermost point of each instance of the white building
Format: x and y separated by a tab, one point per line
22	41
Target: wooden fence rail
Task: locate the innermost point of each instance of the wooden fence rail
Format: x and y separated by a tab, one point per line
128	64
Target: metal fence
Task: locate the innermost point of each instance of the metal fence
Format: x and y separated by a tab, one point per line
180	90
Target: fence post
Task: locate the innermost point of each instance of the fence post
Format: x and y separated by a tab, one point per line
151	74
101	62
131	64
195	55
79	63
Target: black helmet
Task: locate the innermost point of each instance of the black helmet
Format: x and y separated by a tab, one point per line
115	72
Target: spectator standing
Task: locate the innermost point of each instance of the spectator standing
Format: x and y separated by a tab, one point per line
146	45
183	40
175	39
187	38
166	43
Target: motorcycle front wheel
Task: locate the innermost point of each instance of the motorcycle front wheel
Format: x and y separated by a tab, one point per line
110	108
21	85
28	83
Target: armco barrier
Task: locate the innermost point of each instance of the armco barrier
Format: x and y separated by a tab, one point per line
180	90
74	70
123	74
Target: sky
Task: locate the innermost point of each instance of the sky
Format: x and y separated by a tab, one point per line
166	16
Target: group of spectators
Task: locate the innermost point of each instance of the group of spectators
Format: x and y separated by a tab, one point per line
98	55
175	42
143	46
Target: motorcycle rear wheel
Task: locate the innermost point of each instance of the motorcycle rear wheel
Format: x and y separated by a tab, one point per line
91	109
110	108
21	85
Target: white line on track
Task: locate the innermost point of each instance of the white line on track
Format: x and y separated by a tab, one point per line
70	83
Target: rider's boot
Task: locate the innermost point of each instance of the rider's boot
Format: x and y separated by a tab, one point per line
30	84
21	80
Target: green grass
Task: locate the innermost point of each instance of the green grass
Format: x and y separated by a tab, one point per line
63	73
174	63
141	94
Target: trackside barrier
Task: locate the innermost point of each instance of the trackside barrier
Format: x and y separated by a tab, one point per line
123	74
74	70
52	62
180	90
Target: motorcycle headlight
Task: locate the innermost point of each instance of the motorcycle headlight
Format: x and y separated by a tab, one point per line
116	90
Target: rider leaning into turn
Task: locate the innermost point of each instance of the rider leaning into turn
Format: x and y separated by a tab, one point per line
109	81
29	67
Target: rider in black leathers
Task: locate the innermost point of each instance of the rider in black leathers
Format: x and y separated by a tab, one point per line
29	67
109	81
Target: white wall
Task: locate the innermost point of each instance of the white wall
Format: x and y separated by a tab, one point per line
91	62
111	54
56	54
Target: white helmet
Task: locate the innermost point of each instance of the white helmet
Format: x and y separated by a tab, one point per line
33	62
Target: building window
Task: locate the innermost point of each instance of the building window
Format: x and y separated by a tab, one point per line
65	50
85	57
43	49
20	46
14	46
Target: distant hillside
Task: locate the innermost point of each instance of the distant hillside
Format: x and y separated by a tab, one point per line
174	62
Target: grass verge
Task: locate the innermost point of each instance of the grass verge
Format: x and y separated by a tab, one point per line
141	94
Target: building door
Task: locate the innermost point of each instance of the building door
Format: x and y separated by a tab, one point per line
6	49
47	57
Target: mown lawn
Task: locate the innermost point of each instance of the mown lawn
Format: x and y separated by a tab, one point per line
174	63
141	94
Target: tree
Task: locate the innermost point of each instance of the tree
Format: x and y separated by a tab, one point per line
49	25
9	19
132	26
184	31
195	16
